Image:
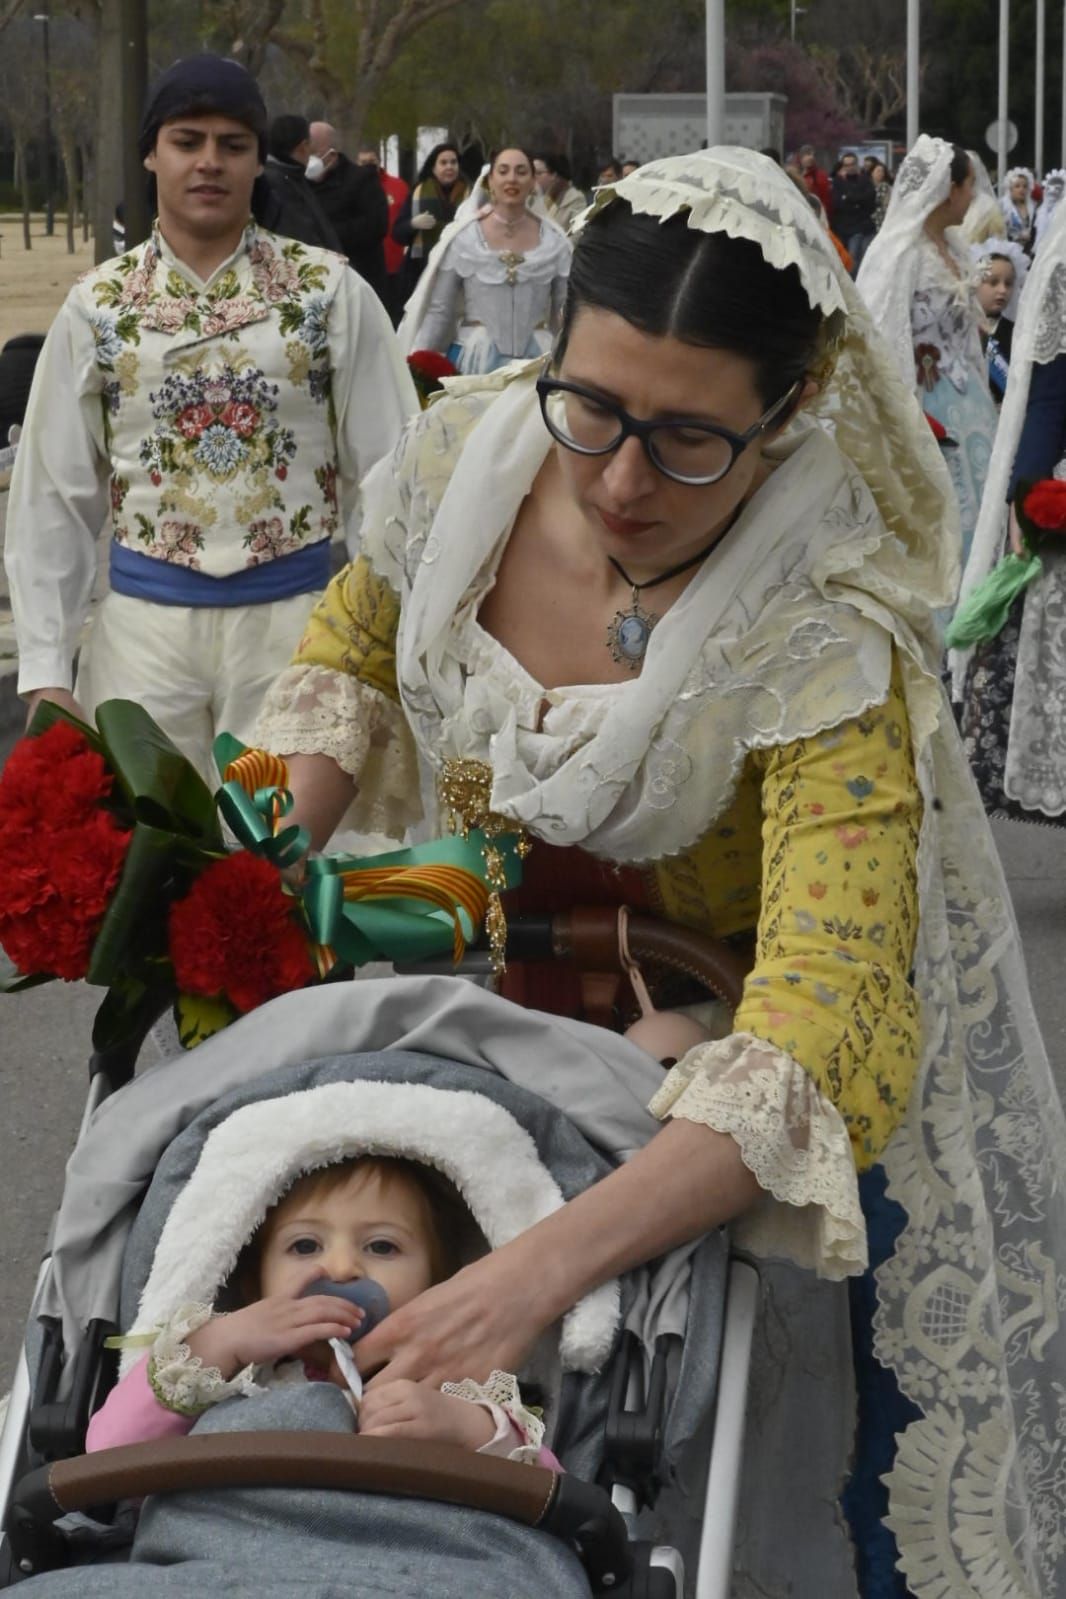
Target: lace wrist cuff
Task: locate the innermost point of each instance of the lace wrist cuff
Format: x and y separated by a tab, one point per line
790	1137
501	1397
179	1379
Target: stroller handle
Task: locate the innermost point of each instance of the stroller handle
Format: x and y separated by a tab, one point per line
578	1513
589	938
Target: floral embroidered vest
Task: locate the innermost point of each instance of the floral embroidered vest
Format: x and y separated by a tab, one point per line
217	401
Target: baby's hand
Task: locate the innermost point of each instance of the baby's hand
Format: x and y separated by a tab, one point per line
404	1409
272	1329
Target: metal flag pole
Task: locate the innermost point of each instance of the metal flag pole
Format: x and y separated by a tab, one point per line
1038	130
913	74
1004	58
715	72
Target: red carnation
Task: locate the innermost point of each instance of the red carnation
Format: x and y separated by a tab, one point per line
235	934
432	364
1045	505
63	855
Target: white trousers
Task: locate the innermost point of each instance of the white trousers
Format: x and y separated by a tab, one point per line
198	671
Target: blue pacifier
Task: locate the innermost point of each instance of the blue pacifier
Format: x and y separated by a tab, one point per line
369	1295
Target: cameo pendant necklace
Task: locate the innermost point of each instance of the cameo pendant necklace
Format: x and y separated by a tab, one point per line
629	632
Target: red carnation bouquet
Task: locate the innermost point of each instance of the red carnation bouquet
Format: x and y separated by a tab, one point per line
429	368
114	868
1041	512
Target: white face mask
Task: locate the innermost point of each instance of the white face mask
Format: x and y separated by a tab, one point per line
315	170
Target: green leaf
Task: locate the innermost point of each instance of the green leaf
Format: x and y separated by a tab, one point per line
199	1018
163	788
48	714
12	981
134	926
127	1012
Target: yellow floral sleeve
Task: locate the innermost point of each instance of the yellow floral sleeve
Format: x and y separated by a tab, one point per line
831	984
353	627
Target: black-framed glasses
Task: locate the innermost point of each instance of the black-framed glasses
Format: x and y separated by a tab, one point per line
696	453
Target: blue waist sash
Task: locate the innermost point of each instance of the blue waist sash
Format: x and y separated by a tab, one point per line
142	577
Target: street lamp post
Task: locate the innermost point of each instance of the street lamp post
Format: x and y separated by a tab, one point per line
1038	131
794	11
715	72
44	18
913	72
1004	63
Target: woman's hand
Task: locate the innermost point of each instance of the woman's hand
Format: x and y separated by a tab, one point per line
1015	534
423	221
483	1319
58	696
403	1409
273	1329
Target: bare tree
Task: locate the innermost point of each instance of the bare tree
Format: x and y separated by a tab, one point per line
348	65
870	84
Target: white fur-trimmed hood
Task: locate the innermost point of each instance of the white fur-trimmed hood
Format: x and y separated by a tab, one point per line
249	1160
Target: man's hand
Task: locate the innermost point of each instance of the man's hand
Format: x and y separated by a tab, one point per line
273	1329
58	696
403	1409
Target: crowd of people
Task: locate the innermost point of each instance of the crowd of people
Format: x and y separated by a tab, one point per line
659	587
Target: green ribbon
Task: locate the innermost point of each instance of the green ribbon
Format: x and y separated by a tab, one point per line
252	822
399	928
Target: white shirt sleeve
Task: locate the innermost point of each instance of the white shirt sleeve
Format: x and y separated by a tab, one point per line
373	395
58	504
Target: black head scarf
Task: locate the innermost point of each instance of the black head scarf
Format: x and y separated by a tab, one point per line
199	85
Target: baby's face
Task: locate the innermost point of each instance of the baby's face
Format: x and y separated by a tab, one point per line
361	1228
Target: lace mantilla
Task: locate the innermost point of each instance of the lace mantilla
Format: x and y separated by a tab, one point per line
501	1396
179	1379
790	1137
312	710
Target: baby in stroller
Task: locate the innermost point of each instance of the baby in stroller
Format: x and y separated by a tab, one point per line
365	1222
396	1165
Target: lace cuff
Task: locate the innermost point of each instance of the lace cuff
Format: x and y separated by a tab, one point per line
790	1137
502	1399
179	1379
314	710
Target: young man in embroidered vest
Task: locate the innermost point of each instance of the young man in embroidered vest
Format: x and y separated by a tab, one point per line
221	391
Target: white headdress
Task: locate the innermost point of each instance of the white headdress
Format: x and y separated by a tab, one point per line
1009	250
1039	336
889	270
1009	177
1054	189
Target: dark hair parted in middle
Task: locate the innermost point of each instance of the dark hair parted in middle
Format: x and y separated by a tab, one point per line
703	288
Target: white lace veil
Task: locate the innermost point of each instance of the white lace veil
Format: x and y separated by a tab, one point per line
971	1300
889	270
1054	188
984	219
1012	252
1039	336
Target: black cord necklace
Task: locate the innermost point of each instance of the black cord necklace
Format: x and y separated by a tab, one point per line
629	632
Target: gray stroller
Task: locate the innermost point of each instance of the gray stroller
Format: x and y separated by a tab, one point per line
255	1500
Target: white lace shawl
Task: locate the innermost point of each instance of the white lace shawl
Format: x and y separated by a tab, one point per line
1039	336
886	279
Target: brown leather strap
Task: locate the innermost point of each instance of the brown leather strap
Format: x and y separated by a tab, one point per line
589	937
305	1460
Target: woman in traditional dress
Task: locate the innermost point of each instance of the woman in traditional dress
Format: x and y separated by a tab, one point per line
495	289
438	193
918	283
642	608
1018	206
1014	684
